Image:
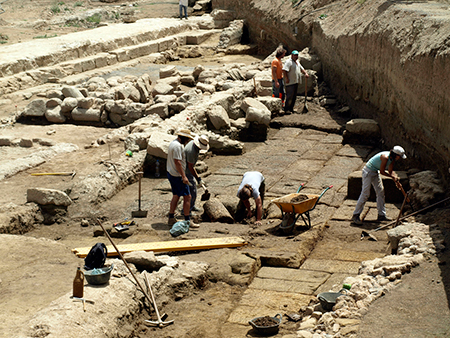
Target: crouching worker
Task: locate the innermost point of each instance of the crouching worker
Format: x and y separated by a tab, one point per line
371	176
252	185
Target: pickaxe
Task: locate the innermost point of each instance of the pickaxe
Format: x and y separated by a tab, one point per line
84	301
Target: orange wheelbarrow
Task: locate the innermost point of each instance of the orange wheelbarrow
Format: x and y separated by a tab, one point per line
291	211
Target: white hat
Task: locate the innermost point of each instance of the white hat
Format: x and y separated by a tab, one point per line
202	142
185	133
399	151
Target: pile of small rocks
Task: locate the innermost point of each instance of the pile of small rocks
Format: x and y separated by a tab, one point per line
412	241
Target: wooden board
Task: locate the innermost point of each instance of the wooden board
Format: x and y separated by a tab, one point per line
183	245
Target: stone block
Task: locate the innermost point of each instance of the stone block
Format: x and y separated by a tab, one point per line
392	194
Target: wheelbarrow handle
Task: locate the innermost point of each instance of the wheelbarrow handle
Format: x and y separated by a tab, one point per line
301	187
325	190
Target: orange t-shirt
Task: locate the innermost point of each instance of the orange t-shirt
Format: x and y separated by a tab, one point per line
277	63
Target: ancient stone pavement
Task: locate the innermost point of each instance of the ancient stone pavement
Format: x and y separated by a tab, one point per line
291	157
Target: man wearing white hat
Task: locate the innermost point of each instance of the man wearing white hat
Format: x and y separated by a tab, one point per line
176	167
371	176
200	144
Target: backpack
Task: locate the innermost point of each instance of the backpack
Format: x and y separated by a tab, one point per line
96	257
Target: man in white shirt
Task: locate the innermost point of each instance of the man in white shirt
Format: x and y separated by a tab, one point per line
252	185
176	167
292	71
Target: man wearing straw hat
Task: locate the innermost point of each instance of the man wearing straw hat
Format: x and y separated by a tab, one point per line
176	167
200	144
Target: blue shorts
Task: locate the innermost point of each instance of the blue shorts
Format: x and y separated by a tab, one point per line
178	187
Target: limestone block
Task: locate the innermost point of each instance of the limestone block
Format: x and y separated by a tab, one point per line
274	104
144	260
26	143
217	212
54	94
166	43
109	95
206	74
161	109
72	92
5	142
176	107
225	85
135	110
53	103
143	91
165	98
86	115
48	197
264	79
127	91
218	117
168	71
173	81
162	89
158	144
87	64
362	131
117	107
260	116
224	146
307	59
35	108
85	102
136	141
392	194
68	104
55	115
206	88
101	60
120	54
188	80
197	71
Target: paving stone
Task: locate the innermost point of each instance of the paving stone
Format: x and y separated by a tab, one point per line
278	301
341	167
357	256
333	138
242	314
286	133
331	266
306	288
234	330
344	213
334	279
355	151
293	274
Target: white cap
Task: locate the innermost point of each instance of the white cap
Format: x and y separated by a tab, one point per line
399	151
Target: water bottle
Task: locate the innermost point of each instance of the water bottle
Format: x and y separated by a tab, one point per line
157	173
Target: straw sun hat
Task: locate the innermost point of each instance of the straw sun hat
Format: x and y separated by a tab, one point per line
185	133
202	142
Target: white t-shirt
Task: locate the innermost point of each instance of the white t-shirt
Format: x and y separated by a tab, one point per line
254	179
175	152
293	69
184	3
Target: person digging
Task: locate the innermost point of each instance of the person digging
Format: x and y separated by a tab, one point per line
371	176
252	185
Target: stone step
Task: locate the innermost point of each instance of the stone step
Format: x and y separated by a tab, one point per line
55	58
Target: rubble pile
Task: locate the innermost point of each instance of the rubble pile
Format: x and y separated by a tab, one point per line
413	243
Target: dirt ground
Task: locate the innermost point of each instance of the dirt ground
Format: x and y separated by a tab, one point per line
418	308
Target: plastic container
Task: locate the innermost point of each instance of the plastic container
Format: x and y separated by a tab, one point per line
157	172
78	284
267	330
99	276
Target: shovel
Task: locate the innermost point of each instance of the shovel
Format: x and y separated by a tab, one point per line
400	187
139	213
206	195
305	106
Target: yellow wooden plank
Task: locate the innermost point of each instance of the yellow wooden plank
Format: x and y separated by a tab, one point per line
183	245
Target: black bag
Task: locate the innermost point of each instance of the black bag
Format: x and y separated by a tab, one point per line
96	257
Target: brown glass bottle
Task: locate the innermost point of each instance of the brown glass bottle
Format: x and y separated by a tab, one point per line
78	284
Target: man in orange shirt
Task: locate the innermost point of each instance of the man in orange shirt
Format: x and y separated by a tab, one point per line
277	74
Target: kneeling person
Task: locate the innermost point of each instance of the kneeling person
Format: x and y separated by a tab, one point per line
252	185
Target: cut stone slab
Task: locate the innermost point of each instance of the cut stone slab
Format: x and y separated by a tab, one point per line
293	274
331	266
334	279
306	288
48	197
392	194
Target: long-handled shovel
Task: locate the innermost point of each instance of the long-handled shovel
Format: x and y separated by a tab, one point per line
400	187
305	106
160	322
139	213
404	217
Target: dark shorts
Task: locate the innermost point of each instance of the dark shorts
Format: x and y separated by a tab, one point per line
178	187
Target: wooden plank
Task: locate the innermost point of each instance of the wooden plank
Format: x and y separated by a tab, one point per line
183	245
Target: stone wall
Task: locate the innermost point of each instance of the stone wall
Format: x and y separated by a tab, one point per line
387	61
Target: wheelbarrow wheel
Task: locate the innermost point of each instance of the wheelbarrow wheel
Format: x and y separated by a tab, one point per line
288	223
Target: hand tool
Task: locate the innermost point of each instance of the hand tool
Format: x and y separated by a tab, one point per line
412	214
82	300
206	195
400	187
139	213
305	106
160	321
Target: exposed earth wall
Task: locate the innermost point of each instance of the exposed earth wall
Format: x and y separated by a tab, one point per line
388	61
